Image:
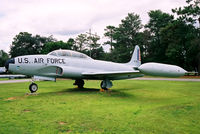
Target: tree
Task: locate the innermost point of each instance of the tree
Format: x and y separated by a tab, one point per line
81	42
93	45
109	33
50	46
96	53
181	40
144	39
93	41
125	37
71	42
129	29
189	13
26	44
158	20
3	58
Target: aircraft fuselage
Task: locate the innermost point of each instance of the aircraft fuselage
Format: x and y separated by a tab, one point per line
72	67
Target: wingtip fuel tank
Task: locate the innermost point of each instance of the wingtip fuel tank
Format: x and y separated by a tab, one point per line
158	69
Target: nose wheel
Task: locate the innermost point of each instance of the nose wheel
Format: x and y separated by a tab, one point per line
33	87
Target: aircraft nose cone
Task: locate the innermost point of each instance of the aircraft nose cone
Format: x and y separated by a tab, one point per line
12	60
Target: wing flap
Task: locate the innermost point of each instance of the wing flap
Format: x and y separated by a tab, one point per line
111	74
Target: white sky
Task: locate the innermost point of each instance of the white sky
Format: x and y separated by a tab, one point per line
68	18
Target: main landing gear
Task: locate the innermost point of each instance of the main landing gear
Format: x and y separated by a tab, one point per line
105	85
80	83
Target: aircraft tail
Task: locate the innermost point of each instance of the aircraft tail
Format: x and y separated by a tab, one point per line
136	58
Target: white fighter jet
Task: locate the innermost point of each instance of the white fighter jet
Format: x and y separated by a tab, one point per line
78	66
2	70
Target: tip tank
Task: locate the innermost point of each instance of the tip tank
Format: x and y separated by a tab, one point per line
165	70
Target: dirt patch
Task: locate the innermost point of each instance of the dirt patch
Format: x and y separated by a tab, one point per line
59	93
10	98
26	110
31	94
62	123
68	131
191	77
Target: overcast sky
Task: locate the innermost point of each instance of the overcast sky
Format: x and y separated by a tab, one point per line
68	18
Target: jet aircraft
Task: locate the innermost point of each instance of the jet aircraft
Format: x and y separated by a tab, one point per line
80	67
2	70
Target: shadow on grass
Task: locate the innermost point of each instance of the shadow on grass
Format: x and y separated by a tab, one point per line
92	90
89	91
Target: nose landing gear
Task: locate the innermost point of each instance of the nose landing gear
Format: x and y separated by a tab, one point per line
33	87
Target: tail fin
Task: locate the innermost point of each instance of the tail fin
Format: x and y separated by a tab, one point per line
136	58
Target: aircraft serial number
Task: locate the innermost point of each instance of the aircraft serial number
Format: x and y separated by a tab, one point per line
42	60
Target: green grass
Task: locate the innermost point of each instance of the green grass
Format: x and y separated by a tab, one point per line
3	79
133	106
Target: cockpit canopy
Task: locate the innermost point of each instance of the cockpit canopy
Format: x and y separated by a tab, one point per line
69	53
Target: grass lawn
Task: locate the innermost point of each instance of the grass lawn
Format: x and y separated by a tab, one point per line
133	106
4	79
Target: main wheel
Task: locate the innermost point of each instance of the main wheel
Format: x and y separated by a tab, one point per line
80	83
102	86
33	87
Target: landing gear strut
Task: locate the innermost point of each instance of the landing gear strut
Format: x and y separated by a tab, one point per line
80	83
106	84
33	87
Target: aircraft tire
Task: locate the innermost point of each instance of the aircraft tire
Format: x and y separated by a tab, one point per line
102	86
80	83
33	87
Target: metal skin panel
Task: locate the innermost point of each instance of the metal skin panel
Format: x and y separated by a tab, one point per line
88	68
46	65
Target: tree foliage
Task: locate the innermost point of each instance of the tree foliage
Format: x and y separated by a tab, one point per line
124	37
81	42
3	57
26	44
109	33
178	38
189	13
50	46
158	20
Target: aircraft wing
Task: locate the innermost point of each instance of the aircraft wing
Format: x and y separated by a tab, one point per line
13	76
112	74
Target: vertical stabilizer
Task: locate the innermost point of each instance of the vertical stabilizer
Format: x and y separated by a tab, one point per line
136	58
